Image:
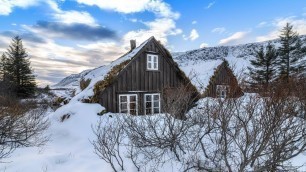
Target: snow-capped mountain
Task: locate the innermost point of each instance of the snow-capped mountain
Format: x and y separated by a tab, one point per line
192	57
71	80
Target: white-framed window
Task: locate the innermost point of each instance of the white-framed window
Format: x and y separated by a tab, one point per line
222	91
128	104
152	62
152	103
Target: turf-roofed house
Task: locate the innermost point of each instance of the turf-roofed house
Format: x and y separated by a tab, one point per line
141	80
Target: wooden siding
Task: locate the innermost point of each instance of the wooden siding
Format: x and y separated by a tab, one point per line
136	79
223	76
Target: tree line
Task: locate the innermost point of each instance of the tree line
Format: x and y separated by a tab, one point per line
16	75
281	63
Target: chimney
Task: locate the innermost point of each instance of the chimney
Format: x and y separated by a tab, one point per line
133	44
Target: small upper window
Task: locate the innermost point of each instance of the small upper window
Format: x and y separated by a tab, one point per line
222	91
152	62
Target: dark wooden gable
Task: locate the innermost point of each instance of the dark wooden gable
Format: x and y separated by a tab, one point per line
223	76
136	79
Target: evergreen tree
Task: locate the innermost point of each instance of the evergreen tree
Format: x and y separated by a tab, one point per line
264	66
18	69
291	53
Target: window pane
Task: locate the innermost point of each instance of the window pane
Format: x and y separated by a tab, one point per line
132	98
155	66
148	98
123	98
148	105
156	110
156	104
123	106
132	105
149	58
148	111
149	65
124	111
156	97
133	111
155	58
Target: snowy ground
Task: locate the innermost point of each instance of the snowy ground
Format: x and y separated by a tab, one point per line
69	148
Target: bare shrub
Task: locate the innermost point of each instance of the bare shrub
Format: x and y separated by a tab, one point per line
107	145
84	83
21	125
250	133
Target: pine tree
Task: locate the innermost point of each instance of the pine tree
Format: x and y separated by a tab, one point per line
18	69
264	66
291	53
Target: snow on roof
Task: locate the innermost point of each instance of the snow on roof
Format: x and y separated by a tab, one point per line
99	73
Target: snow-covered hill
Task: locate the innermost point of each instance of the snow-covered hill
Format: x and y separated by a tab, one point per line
236	54
71	80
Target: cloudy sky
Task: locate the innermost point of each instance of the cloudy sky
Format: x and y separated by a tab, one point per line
68	36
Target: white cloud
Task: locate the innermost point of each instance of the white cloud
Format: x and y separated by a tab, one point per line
192	36
299	25
194	22
203	45
6	6
262	24
160	8
219	30
159	28
122	6
236	38
71	16
75	17
210	5
163	26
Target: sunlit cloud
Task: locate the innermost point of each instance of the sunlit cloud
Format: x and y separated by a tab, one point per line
192	36
204	45
6	6
236	38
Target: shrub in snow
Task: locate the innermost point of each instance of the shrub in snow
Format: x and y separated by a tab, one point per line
21	125
250	133
84	83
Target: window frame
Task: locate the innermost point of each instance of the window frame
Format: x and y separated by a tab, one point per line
128	103
152	103
151	62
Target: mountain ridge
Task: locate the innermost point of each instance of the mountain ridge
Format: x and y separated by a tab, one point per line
244	51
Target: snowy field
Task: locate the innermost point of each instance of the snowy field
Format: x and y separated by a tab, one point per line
70	148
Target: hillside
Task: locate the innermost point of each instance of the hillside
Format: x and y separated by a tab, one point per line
237	54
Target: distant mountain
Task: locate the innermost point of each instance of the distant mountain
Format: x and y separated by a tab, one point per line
243	51
71	80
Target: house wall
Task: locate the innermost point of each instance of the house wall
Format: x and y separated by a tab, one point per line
136	79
